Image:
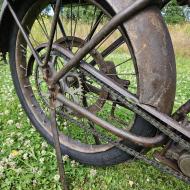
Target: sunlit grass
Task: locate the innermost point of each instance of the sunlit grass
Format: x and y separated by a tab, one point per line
27	162
180	34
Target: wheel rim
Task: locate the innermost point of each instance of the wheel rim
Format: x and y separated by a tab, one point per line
27	83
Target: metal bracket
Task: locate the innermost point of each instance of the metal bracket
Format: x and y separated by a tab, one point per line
55	133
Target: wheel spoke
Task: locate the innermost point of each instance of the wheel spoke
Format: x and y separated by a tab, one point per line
123	62
92	29
62	28
71	17
116	44
75	27
122	74
44	26
101	43
32	37
42	29
113	47
53	30
72	33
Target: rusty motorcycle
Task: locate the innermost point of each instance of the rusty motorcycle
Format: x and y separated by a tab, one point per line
102	89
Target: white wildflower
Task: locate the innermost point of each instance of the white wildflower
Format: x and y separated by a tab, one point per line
2	151
41	160
10	122
18	125
93	172
34	182
43	152
5	160
6	112
131	183
18	170
44	145
20	113
2	175
74	163
12	164
34	170
19	134
65	158
9	141
27	143
32	130
1	168
56	177
25	156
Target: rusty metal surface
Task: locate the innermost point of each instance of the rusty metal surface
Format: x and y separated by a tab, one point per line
184	163
117	20
57	145
158	89
182	112
163	117
171	163
67	141
162	85
7	22
142	141
157	80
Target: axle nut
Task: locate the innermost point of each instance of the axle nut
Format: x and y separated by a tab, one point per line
184	163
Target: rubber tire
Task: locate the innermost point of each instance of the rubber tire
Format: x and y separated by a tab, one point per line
110	157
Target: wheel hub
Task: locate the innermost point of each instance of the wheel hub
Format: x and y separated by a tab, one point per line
184	163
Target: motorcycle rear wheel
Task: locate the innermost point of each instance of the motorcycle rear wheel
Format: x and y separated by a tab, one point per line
99	155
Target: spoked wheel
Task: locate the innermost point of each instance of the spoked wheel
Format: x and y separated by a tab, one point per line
114	56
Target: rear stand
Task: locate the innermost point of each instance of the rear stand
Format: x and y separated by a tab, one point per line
54	129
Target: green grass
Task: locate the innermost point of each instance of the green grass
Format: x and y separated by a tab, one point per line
27	162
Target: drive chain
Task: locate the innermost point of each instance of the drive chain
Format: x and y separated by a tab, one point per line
164	129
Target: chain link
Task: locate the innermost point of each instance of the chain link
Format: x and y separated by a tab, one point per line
165	129
127	149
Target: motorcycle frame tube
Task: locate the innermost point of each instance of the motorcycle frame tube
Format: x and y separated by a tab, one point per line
141	141
114	23
161	116
121	17
150	17
5	15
